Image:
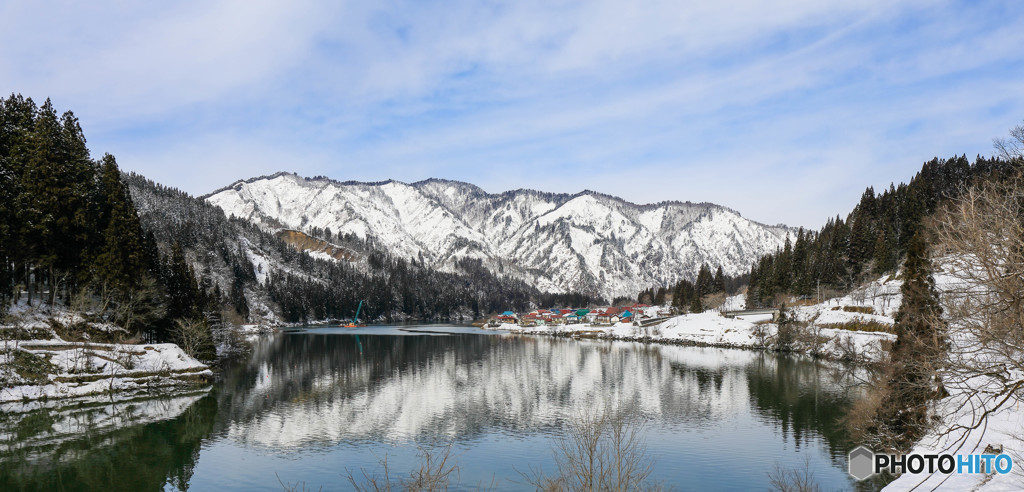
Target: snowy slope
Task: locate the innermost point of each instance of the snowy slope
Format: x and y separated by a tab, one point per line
588	242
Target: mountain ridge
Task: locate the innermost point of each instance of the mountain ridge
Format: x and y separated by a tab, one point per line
485	192
583	242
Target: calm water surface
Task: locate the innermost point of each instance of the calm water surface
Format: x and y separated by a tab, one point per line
312	405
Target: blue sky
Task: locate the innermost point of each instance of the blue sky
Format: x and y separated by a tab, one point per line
784	111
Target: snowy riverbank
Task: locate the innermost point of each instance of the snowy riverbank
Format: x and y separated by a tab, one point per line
37	363
823	335
961	430
831	330
48	369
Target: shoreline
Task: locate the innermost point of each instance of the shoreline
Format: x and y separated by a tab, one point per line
55	369
710	329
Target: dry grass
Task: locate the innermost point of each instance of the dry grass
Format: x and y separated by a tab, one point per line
860	325
713	301
856	309
861	419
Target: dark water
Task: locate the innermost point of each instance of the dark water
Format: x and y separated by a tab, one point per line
314	405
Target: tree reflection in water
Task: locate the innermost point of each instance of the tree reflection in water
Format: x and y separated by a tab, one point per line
77	448
334	400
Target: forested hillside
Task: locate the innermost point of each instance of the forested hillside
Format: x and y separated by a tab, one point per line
872	240
68	223
75	232
70	234
585	242
262	272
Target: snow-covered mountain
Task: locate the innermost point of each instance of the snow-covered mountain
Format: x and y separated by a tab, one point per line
587	242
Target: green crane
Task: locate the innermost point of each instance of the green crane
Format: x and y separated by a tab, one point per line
355	320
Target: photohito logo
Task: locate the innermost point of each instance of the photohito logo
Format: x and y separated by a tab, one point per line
864	463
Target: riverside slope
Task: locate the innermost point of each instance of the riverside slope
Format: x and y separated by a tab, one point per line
587	242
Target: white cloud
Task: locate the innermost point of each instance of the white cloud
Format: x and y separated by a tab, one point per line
807	102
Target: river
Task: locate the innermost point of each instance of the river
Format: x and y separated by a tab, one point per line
312	405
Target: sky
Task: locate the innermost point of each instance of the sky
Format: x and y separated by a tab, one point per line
782	110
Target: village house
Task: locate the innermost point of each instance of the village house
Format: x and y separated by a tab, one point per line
532	319
608	316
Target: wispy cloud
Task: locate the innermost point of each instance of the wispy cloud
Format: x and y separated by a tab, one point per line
782	110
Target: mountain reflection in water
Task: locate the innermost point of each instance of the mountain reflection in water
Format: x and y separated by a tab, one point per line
309	405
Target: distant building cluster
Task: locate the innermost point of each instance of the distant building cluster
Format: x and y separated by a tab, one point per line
571	316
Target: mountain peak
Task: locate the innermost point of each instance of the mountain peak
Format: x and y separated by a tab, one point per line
602	245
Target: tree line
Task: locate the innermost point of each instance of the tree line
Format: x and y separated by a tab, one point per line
168	266
871	241
70	232
967	343
690	296
300	288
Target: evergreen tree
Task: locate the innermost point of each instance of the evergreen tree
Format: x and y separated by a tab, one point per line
16	123
62	224
802	271
186	307
782	268
182	289
241	305
695	305
765	290
121	262
659	296
705	281
919	326
683	294
151	254
54	194
916	355
883	253
752	300
858	243
719	282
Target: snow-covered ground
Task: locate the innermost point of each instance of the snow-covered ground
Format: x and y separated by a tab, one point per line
48	367
737	302
873	305
81	369
1003	429
711	328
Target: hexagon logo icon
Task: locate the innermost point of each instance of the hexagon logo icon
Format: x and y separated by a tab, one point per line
861	462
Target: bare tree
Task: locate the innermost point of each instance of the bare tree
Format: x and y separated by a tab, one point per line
603	450
139	306
191	335
128	309
294	487
896	412
794	479
1011	149
435	472
982	235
